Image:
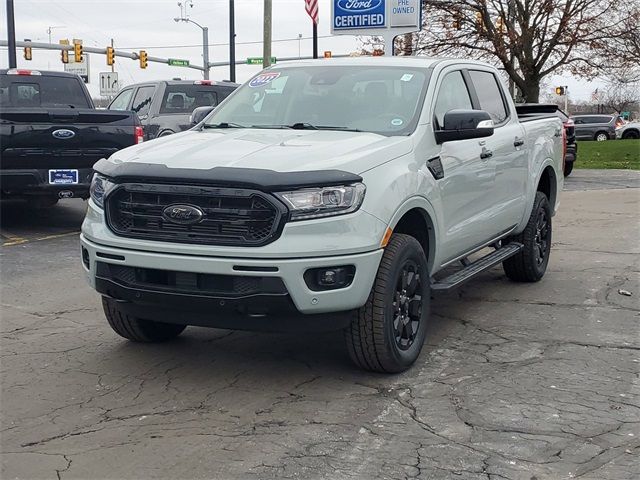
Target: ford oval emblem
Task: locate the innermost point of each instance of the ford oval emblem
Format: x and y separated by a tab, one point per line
359	5
182	214
63	134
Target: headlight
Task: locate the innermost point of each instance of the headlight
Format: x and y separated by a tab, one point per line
323	201
100	186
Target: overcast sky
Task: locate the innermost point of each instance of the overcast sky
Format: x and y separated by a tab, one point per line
149	25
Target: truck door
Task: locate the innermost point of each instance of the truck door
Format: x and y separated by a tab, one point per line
467	185
508	151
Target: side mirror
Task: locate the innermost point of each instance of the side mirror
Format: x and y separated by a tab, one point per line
199	114
464	124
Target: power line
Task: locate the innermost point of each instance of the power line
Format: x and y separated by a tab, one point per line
222	44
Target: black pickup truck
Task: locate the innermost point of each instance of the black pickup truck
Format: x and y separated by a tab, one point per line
51	135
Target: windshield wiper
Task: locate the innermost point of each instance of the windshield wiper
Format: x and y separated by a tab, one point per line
308	126
223	125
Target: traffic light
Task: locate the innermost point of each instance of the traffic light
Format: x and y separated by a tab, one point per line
560	91
64	54
327	54
143	59
111	56
457	21
27	53
479	22
77	51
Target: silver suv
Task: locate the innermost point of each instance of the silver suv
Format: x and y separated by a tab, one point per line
597	127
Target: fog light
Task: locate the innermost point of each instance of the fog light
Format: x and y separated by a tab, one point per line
329	278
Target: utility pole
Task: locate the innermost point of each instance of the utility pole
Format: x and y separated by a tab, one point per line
232	42
11	34
205	51
266	40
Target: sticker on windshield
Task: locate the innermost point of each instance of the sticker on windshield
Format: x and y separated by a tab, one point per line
263	79
396	122
406	77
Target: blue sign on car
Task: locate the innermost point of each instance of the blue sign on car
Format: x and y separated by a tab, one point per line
358	14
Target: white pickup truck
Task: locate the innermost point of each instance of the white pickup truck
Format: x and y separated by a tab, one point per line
326	194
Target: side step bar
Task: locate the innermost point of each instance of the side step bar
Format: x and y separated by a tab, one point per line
471	270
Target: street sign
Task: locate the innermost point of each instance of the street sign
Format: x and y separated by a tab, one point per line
177	62
404	13
386	18
79	68
258	60
108	84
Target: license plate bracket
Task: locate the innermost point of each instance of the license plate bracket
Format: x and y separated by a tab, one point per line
63	177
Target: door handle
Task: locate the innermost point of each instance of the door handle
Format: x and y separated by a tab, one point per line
518	142
486	153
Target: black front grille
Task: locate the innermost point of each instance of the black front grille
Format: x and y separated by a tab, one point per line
189	283
235	217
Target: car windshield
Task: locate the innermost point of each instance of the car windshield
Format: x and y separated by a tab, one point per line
382	100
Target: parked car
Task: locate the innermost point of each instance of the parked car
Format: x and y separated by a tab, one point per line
628	130
164	107
51	135
597	127
535	109
322	196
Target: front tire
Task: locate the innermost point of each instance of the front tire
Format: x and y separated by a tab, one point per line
530	264
138	329
387	333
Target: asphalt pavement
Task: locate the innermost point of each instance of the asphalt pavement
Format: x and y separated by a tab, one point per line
531	382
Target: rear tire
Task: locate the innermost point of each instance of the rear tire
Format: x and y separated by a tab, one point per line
530	264
601	136
137	329
387	333
568	168
631	134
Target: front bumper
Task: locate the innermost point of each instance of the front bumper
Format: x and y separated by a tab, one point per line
222	310
22	182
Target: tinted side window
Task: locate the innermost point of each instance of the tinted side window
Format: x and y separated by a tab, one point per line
604	119
122	100
489	94
453	95
142	100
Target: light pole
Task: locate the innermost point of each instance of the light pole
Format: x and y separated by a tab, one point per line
49	30
205	36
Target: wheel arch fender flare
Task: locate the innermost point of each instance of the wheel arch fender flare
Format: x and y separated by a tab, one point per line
428	212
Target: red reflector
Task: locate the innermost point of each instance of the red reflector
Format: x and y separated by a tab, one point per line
203	82
138	134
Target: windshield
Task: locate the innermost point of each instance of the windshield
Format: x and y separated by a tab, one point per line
382	100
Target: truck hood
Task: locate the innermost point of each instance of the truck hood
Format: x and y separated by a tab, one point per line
272	149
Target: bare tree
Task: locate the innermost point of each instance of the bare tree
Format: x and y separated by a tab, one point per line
620	94
529	39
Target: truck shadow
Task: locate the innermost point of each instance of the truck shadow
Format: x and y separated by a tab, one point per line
20	220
